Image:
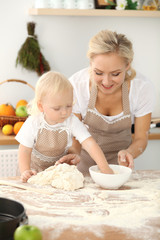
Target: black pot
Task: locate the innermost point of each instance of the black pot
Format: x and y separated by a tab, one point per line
12	214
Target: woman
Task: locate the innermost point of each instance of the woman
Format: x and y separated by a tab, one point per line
109	97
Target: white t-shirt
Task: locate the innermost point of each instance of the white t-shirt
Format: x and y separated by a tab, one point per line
141	95
27	135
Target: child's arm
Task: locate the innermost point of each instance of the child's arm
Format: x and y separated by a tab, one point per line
96	154
24	159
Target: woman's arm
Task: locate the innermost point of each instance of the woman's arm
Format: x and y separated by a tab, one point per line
140	140
139	143
97	155
24	159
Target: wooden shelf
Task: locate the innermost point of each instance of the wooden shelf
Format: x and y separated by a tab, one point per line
93	12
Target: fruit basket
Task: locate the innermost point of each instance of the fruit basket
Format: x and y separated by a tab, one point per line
13	119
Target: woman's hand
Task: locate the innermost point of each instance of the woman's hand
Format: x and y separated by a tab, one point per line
71	159
125	159
27	174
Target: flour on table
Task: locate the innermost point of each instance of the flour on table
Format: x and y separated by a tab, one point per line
133	209
62	176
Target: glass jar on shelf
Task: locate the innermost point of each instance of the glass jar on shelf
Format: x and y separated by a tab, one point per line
158	4
149	5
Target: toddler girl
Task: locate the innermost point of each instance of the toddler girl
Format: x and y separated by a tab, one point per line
46	136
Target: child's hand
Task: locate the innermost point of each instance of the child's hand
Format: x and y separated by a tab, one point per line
108	171
71	159
27	174
125	159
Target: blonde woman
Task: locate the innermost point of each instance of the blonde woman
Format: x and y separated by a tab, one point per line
110	97
46	136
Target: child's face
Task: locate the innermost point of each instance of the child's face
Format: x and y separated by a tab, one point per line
57	108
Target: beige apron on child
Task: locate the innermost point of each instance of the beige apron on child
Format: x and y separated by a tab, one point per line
50	146
111	136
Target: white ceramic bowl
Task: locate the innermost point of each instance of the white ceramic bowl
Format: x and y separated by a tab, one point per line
111	181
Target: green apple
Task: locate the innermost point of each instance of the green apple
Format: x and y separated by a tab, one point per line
21	111
27	232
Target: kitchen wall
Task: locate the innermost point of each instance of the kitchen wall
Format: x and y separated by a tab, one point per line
64	43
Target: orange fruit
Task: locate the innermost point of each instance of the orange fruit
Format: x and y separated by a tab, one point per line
17	126
7	129
7	110
21	102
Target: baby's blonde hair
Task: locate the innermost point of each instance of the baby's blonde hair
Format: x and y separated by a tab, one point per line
49	83
106	42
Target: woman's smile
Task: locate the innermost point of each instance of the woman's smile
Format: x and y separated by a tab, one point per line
107	87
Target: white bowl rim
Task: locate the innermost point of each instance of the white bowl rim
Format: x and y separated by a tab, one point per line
129	170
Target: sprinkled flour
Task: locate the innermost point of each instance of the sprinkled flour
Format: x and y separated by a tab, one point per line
130	208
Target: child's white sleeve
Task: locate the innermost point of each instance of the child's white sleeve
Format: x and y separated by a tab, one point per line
79	130
26	134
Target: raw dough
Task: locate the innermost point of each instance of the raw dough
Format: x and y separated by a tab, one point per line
62	176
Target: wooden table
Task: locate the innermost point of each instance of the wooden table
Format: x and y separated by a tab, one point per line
129	213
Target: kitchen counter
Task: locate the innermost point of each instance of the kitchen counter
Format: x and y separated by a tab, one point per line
92	213
154	133
7	140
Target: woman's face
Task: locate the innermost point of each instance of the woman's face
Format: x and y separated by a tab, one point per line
108	72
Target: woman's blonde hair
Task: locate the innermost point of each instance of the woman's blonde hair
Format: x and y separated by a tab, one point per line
49	83
107	41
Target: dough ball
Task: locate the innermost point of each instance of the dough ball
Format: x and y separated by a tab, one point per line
62	176
67	177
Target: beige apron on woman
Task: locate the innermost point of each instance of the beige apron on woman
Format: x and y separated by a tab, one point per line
50	146
111	136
